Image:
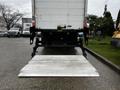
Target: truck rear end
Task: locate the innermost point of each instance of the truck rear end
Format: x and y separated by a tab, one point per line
59	22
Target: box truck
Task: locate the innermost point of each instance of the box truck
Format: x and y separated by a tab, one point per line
26	24
58	22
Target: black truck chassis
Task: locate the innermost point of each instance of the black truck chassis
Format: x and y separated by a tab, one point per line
57	38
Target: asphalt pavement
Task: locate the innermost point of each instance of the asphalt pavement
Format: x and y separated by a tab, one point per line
15	54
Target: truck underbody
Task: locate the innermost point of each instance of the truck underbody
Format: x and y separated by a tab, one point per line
57	38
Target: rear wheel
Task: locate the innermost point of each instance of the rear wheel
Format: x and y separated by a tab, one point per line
18	35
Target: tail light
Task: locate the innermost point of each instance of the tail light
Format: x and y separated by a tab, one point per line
33	23
85	23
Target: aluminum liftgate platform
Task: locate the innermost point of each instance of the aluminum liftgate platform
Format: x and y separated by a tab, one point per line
58	66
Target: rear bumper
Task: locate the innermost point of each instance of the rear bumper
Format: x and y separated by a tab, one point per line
60	46
56	38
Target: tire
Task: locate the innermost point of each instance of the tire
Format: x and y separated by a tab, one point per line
18	35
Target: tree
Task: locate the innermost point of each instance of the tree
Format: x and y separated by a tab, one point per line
2	23
108	24
10	16
92	21
118	19
105	23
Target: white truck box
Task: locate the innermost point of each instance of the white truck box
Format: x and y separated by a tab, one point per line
48	14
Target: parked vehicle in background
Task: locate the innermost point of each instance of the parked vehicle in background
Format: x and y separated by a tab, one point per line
3	33
14	32
26	24
26	32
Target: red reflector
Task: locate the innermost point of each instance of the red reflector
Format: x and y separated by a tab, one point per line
33	23
85	22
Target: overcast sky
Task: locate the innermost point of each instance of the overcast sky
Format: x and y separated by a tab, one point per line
95	7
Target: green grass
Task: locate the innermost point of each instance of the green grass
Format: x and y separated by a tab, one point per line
105	49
